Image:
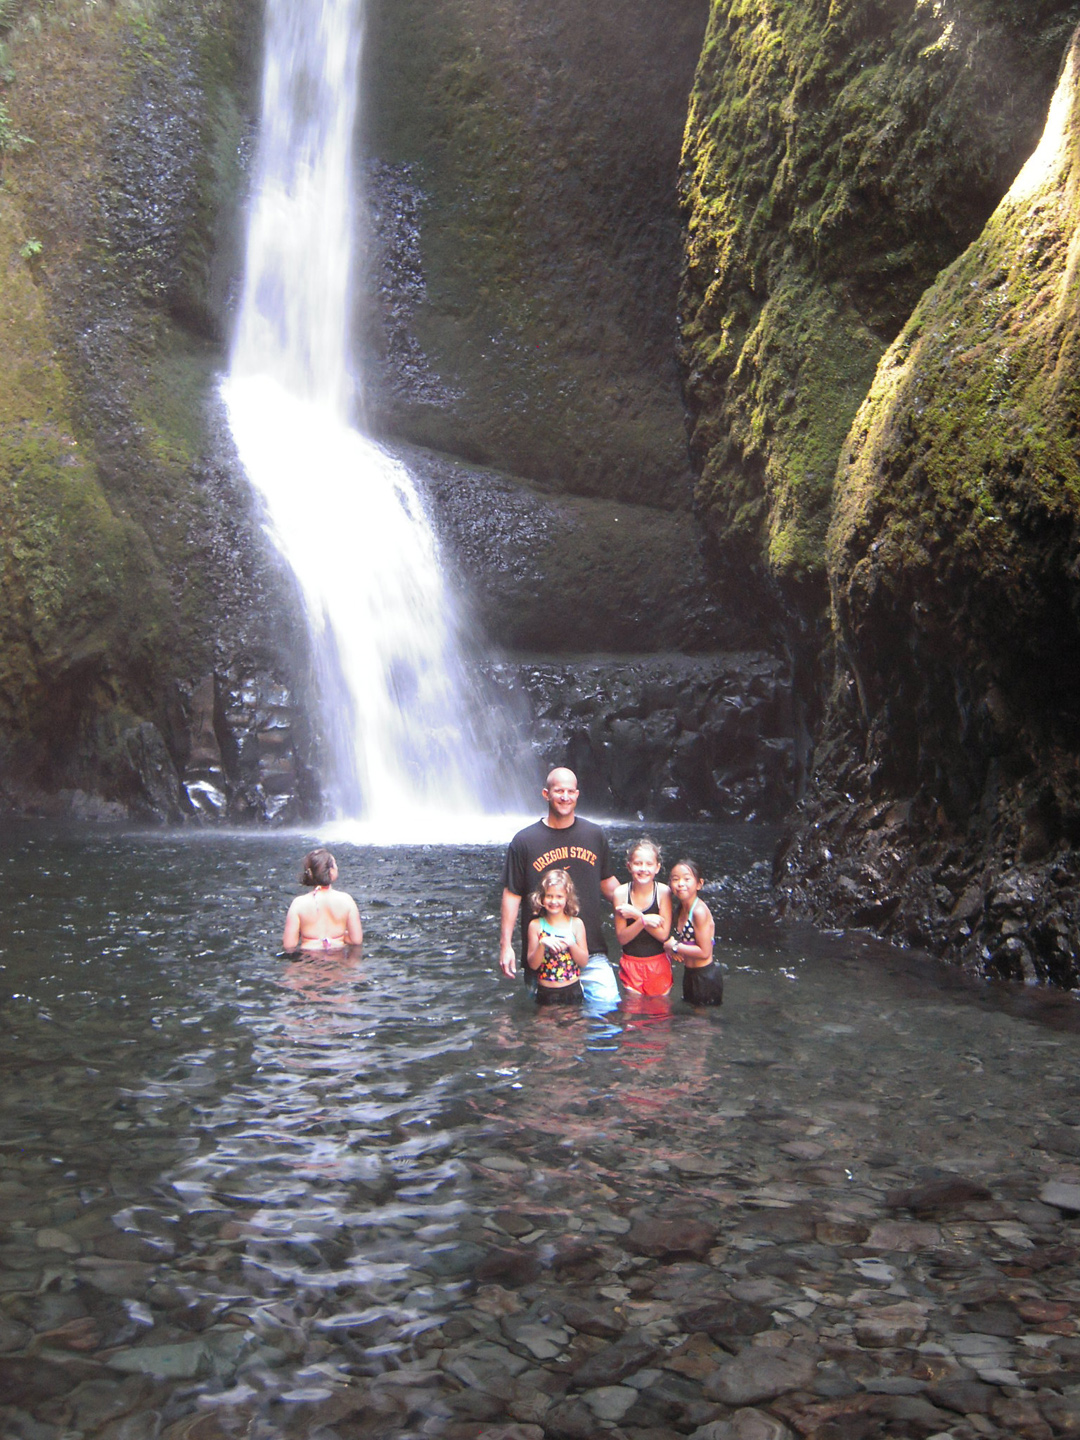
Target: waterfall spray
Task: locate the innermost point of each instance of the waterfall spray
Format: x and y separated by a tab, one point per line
345	514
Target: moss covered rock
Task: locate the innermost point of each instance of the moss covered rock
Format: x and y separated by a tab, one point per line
838	154
131	561
954	562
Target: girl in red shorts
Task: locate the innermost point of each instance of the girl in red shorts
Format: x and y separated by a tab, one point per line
643	922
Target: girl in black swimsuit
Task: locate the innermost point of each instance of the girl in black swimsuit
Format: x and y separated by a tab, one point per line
643	922
692	938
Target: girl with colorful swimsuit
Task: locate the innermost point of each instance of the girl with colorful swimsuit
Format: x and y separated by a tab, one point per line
327	919
555	945
692	939
643	922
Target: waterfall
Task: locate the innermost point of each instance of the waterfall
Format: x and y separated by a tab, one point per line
346	515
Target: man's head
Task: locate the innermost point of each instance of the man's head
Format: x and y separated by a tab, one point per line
561	793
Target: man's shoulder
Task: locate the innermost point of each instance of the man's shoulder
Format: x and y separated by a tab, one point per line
529	835
587	829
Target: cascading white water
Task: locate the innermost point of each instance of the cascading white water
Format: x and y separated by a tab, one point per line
346	515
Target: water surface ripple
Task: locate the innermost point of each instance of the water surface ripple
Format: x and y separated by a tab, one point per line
383	1195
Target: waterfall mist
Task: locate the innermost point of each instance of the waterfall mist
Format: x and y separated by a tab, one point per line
408	741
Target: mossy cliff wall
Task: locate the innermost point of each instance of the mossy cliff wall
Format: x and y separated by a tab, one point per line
947	801
838	154
137	598
522	173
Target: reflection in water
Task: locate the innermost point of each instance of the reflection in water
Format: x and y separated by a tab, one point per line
384	1195
326	977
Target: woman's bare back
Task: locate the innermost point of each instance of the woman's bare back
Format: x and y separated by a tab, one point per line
324	920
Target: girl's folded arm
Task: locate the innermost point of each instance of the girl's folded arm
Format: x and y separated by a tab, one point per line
663	930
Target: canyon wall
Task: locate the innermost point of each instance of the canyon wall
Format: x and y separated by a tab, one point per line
946	807
515	308
148	633
520	167
837	156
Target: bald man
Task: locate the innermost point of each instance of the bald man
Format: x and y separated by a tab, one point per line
562	841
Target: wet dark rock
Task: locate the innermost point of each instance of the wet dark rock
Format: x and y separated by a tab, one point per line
966	1397
671	737
467	1259
912	1409
593	1318
631	1352
570	1420
759	1375
513	1268
479	337
945	1192
572	1252
507	542
1061	1139
663	1239
31	1381
1061	1413
13	1336
775	1262
514	1223
791	1226
723	1321
833	1384
670	1399
999	1320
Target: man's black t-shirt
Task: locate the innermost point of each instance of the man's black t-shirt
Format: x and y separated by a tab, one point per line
582	850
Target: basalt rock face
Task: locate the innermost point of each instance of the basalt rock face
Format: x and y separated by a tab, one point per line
667	737
946	807
521	169
135	581
544	572
837	156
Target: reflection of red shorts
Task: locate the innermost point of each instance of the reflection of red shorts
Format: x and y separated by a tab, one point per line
648	976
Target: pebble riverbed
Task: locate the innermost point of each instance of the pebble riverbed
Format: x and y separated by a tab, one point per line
385	1197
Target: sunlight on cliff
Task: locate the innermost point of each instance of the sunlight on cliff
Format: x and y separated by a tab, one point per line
1048	159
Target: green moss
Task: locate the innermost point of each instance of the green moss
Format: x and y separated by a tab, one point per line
73	576
962	466
836	157
107	593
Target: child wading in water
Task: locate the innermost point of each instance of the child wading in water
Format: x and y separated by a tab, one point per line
643	922
555	946
692	939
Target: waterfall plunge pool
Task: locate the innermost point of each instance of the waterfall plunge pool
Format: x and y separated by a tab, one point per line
241	1195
